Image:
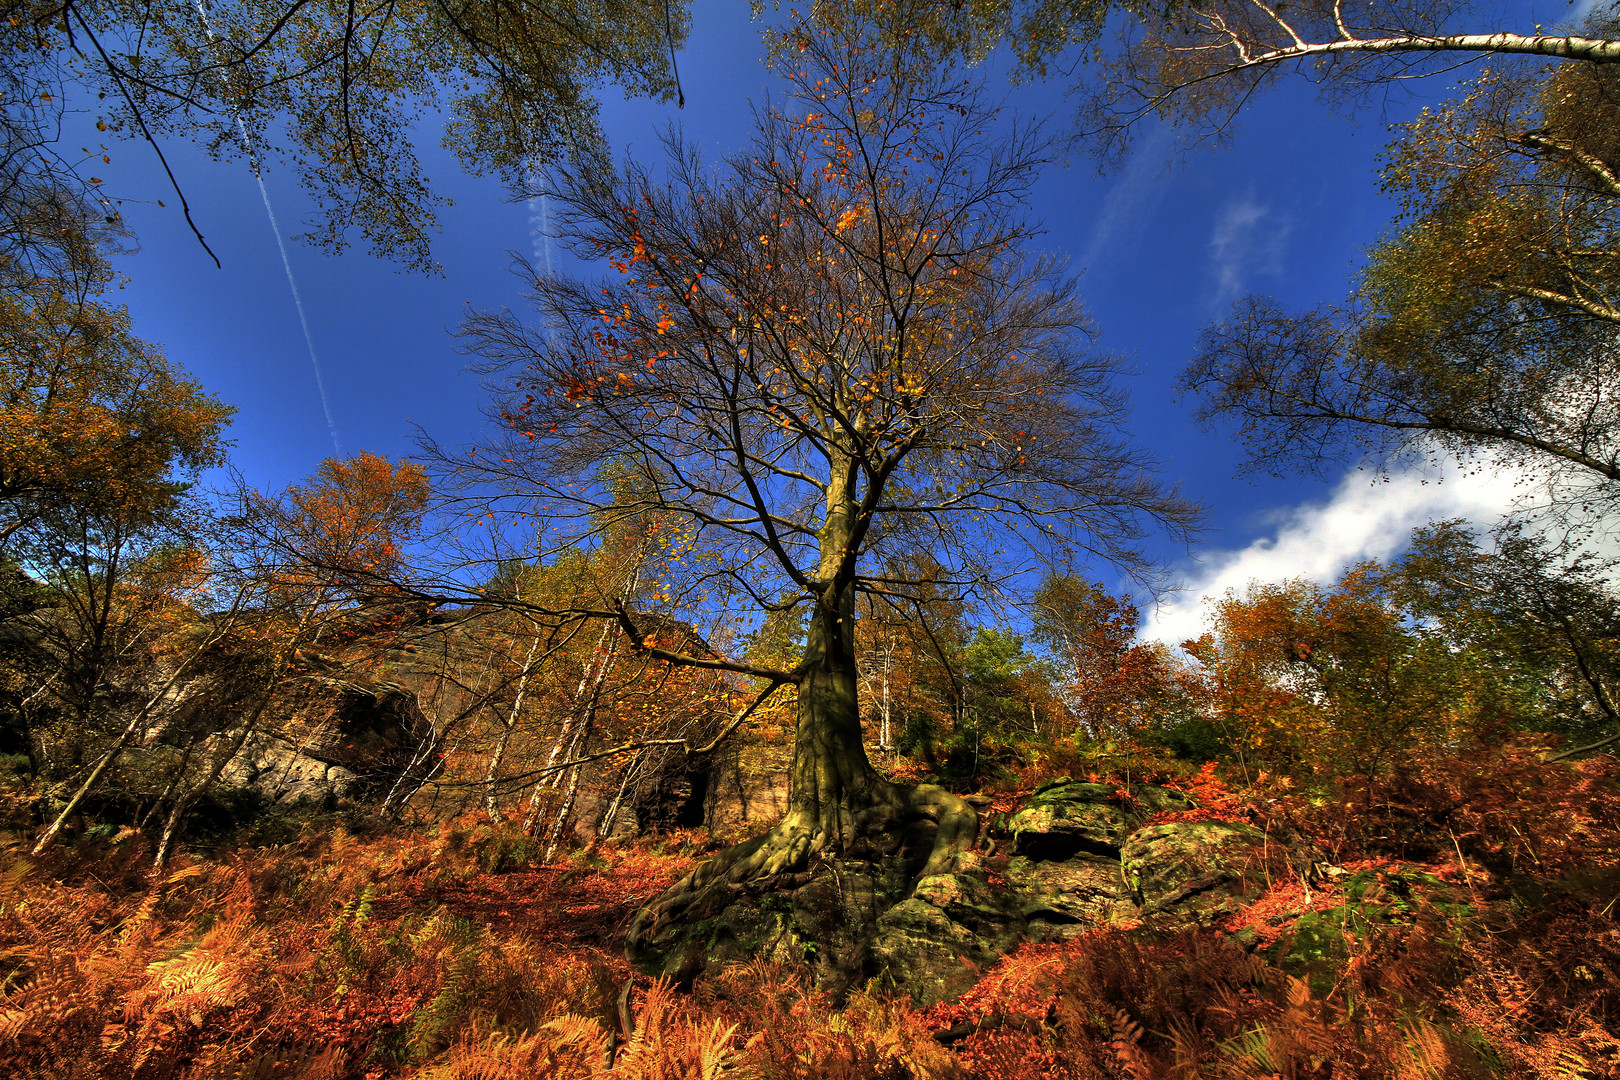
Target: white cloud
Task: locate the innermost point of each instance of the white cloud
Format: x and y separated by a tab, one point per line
1130	202
1248	240
1362	519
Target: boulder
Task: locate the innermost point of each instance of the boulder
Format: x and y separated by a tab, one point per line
1065	874
286	776
747	786
1063	818
343	740
1196	870
366	728
846	925
1081	856
1061	899
937	942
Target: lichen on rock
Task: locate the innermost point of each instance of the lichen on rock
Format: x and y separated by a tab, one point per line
1196	870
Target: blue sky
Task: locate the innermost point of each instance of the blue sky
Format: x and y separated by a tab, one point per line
1165	244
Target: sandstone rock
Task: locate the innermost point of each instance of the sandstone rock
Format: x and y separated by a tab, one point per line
853	921
747	786
937	942
1065	817
344	741
1065	875
286	777
1061	899
1195	870
1082	857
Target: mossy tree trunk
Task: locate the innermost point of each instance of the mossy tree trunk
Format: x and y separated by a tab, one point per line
838	804
832	780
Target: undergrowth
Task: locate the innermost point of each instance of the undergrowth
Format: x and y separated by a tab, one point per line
1460	924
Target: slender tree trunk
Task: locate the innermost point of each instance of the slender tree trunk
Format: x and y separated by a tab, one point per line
177	812
586	696
585	721
169	788
125	737
425	747
492	774
560	822
886	734
611	815
90	783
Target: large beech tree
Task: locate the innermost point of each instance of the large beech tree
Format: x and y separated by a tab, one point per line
836	347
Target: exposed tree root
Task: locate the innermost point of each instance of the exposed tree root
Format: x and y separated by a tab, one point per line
900	835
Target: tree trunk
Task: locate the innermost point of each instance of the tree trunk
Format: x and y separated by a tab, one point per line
838	805
832	779
565	811
589	684
492	774
136	724
604	827
177	812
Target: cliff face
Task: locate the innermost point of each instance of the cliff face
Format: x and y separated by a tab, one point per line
391	703
745	787
335	740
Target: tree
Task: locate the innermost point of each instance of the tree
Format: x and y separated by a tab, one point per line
113	637
1545	623
995	717
345	82
1332	682
836	349
90	414
1112	683
1447	646
1486	326
909	653
347	529
1199	64
100	441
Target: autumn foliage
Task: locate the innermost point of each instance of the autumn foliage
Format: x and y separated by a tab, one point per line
1461	932
747	451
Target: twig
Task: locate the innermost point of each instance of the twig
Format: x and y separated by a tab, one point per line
140	118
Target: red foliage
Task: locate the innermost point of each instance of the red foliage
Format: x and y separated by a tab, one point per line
334	955
402	955
1214	800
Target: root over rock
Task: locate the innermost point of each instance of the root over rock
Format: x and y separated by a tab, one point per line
891	891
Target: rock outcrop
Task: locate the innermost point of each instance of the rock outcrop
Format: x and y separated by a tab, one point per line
1076	855
340	740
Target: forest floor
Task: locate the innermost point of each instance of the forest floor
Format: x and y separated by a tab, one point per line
1468	929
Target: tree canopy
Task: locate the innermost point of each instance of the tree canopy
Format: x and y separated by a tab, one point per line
838	344
332	90
1485	325
831	351
89	413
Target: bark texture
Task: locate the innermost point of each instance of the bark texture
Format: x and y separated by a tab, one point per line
851	847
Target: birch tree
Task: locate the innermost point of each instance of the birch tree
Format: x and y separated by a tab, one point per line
1487	326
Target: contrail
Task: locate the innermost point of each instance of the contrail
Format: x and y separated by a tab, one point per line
298	301
539	220
281	246
540	233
